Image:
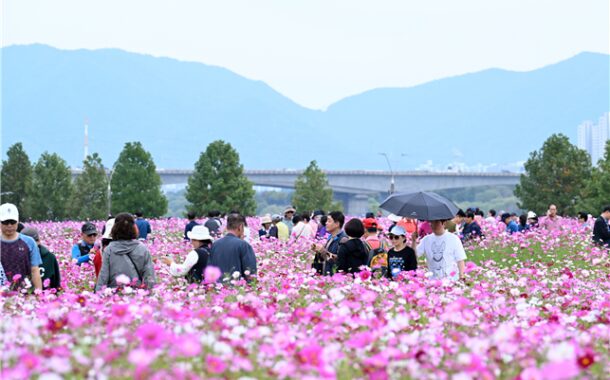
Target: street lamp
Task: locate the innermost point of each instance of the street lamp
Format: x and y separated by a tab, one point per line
391	172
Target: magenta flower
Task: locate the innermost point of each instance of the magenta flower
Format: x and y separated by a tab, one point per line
151	335
188	345
215	365
211	274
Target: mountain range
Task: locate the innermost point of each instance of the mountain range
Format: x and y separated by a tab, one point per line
177	108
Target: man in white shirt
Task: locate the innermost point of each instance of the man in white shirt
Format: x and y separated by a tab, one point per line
444	252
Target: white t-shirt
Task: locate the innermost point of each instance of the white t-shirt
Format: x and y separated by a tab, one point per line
302	230
442	254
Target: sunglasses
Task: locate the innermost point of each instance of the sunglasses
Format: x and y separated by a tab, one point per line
394	237
92	235
9	222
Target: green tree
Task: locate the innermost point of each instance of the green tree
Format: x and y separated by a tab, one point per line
51	188
16	179
312	192
135	183
557	174
597	191
90	196
219	183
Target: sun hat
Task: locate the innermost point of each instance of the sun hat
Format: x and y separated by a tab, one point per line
265	219
531	215
290	209
8	211
199	233
398	230
108	229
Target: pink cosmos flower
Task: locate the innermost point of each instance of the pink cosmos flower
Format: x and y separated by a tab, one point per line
188	345
122	279
152	335
215	365
211	274
140	357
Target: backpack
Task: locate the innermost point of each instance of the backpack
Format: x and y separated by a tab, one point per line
378	261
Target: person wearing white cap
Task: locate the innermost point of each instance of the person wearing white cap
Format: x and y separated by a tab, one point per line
197	259
401	257
19	254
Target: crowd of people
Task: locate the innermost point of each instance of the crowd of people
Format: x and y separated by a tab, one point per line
221	248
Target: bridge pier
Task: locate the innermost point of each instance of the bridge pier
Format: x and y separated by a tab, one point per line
354	204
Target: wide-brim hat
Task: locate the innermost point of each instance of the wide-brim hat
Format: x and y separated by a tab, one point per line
199	233
266	219
290	209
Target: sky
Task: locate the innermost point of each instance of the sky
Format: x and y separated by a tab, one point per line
317	52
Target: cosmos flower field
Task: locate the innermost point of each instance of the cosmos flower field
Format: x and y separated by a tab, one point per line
535	306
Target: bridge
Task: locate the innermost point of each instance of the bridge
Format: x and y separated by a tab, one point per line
355	187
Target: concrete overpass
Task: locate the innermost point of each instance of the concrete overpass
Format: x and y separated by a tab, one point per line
355	187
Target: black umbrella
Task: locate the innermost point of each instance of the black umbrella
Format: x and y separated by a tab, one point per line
422	205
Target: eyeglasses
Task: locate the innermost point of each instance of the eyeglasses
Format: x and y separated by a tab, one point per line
394	237
92	235
9	222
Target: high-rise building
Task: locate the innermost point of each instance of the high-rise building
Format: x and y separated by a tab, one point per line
584	136
592	137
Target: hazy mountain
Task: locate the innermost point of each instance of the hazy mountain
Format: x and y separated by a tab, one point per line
176	108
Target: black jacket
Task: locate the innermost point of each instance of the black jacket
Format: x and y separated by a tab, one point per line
601	232
351	256
49	268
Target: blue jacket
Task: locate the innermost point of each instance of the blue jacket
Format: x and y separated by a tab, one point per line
80	252
143	228
512	227
232	254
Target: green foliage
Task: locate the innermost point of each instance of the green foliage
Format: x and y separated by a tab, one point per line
556	174
16	179
51	188
135	184
219	183
311	190
176	203
272	202
90	196
499	197
597	191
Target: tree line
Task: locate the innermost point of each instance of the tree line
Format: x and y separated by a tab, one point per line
557	173
562	174
45	190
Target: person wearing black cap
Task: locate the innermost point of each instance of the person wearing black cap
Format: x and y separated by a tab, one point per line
49	269
80	250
